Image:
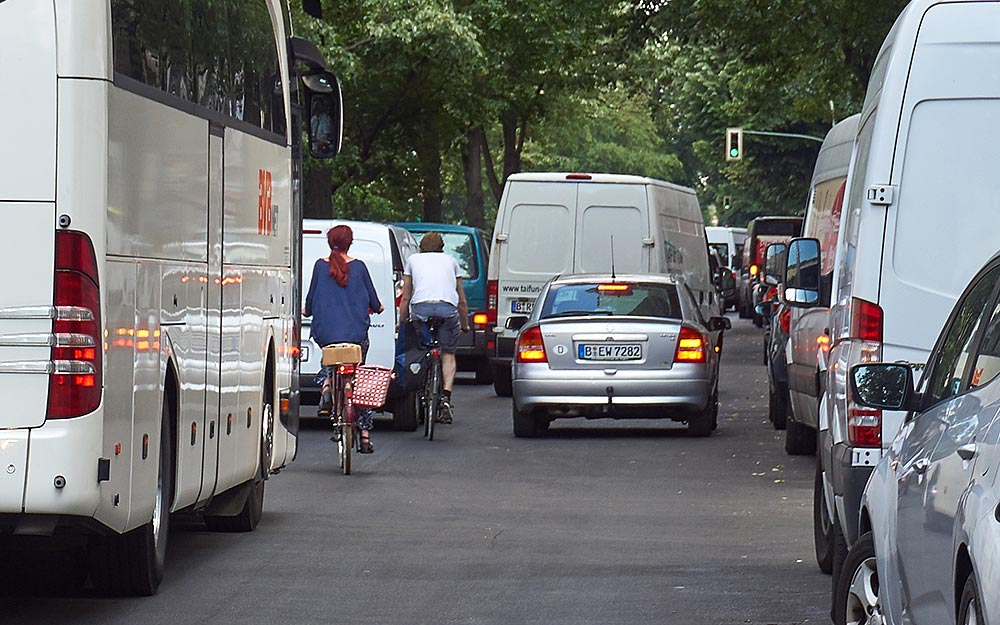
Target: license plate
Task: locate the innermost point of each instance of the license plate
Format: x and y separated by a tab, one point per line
610	351
522	306
305	353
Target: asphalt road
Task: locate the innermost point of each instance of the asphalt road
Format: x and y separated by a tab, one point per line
627	522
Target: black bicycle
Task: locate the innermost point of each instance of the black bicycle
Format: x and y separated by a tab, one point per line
430	397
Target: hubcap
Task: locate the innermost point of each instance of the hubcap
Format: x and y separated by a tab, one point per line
863	606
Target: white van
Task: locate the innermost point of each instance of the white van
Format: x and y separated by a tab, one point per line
557	223
919	222
807	338
728	243
384	249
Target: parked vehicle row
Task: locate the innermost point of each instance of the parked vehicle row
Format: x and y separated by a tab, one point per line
898	229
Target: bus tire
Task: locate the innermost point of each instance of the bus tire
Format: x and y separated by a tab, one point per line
132	564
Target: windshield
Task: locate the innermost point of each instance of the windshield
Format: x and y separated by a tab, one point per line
461	247
643	300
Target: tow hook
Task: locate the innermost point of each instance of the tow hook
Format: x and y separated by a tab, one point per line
611	393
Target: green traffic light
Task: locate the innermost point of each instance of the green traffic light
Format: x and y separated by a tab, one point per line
734	152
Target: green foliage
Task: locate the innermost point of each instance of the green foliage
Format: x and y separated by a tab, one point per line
645	87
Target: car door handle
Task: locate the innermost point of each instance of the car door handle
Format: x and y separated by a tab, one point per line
966	452
920	466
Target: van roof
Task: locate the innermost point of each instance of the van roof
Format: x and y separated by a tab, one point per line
362	229
424	226
595	178
835	154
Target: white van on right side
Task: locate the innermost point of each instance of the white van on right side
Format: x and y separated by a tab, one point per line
920	220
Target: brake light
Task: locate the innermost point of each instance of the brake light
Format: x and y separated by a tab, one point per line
579	177
690	346
866	321
864	426
785	320
312	232
530	347
614	288
492	295
76	378
753	270
399	293
480	319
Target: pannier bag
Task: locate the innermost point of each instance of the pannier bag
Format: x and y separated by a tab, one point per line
371	386
341	354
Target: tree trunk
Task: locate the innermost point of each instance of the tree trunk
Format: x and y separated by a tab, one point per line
431	187
318	191
472	165
512	144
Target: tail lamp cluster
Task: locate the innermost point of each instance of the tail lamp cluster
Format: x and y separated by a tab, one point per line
864	425
75	381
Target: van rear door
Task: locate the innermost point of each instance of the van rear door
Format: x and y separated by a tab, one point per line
606	213
538	227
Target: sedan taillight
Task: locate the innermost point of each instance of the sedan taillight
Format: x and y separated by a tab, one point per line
690	346
530	347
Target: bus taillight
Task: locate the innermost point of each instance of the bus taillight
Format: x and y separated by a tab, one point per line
76	379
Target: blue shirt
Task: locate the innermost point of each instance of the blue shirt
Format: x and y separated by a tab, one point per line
341	314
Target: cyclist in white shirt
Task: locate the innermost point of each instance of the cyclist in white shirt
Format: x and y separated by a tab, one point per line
432	287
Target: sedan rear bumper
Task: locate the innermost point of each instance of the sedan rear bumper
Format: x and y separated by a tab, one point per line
672	393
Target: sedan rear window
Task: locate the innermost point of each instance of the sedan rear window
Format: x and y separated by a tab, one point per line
620	299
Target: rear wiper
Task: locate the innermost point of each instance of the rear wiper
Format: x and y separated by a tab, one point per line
578	313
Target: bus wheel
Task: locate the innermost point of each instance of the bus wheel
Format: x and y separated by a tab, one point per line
132	564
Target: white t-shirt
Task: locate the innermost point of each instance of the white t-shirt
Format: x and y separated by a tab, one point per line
433	275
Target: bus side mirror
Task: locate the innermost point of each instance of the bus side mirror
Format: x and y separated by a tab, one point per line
325	111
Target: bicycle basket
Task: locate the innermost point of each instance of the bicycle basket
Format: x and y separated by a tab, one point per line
371	386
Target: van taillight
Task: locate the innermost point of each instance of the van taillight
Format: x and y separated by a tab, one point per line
785	320
76	380
530	347
492	297
864	426
866	321
690	346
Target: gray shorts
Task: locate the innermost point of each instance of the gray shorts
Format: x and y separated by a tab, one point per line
448	332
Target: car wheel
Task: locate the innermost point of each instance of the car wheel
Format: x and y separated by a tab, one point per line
502	384
525	424
777	409
800	440
703	423
822	525
404	415
484	372
856	599
970	610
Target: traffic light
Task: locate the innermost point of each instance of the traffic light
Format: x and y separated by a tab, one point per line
727	203
734	144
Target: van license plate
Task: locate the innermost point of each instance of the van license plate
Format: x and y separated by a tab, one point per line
522	306
610	351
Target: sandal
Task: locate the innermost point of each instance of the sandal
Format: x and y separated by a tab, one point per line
365	446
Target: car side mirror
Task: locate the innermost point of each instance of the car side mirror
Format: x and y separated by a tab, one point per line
883	386
515	322
802	273
325	112
717	324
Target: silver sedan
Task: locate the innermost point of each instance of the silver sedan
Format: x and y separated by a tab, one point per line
929	552
616	347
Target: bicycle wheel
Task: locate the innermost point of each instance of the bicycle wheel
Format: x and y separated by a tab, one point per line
346	446
435	396
428	403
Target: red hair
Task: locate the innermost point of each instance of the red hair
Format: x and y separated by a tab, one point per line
340	239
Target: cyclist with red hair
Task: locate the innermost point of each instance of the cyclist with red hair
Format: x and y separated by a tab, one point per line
341	300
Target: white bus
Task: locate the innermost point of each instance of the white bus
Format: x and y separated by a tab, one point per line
149	176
